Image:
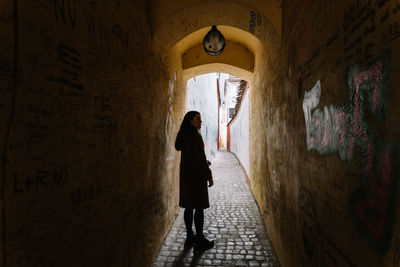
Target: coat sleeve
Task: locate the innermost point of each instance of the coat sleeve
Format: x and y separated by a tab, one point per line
201	158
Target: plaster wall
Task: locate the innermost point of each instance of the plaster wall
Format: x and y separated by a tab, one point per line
239	134
325	136
202	96
88	114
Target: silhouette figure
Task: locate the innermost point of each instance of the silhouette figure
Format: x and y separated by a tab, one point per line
194	174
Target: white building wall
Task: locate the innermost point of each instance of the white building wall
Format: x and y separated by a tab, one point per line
239	134
202	96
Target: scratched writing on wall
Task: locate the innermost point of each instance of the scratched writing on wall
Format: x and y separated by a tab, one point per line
65	11
342	129
41	179
69	62
366	23
109	40
81	195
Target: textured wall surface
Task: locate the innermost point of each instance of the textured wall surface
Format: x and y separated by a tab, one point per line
202	96
7	83
239	134
88	149
325	135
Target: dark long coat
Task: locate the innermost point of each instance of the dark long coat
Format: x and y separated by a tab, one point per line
194	170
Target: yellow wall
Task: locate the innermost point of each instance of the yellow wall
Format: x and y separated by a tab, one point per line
234	54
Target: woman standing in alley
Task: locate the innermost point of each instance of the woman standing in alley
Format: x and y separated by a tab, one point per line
194	176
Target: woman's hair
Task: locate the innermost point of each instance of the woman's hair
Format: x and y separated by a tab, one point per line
185	125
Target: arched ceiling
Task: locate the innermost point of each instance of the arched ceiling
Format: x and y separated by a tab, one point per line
231	34
247	26
239	52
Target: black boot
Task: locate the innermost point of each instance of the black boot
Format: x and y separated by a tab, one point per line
202	243
189	242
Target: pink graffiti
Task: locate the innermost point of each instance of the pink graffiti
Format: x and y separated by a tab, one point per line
342	128
327	139
373	74
328	131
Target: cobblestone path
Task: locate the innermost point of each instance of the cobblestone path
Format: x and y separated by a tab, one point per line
233	221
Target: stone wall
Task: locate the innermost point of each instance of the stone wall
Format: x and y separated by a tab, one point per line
325	135
89	176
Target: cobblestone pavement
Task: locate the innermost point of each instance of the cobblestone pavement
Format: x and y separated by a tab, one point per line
233	221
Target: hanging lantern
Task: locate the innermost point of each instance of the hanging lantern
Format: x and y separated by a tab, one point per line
214	42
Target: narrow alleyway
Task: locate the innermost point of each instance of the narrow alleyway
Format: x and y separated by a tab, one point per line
233	221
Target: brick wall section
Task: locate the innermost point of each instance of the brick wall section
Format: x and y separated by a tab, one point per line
85	181
324	156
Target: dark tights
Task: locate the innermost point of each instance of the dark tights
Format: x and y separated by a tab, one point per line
198	221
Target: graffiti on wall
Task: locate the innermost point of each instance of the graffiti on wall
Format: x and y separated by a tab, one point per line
65	11
254	20
169	123
69	64
70	60
40	179
108	40
343	129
